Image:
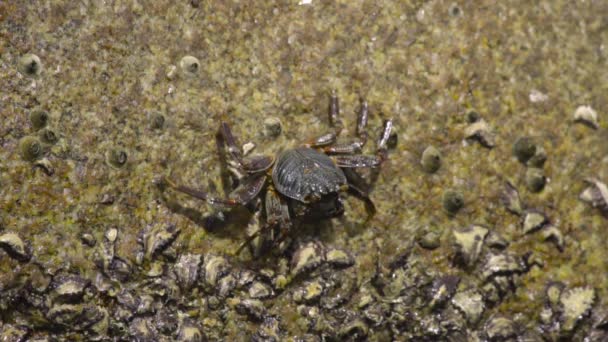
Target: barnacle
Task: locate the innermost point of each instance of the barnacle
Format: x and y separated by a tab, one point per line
39	119
190	65
30	148
117	158
431	159
452	201
30	65
48	136
524	149
535	179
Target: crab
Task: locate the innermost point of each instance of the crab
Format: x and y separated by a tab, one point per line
303	183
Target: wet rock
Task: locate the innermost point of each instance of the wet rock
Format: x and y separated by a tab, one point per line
15	247
339	258
576	304
596	195
187	270
156	239
586	115
533	221
481	132
470	303
307	257
468	243
500	329
260	290
190	331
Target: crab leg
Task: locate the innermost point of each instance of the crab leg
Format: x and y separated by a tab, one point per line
226	139
334	113
364	196
360	160
362	122
277	214
242	195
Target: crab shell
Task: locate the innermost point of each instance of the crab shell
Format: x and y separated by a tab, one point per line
307	175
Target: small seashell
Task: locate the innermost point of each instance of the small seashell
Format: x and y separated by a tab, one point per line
502	264
339	258
586	115
554	235
190	65
186	270
310	292
596	195
500	329
253	308
470	303
576	304
157	239
14	246
480	131
468	243
443	289
190	331
45	165
533	221
260	290
68	288
30	148
215	268
143	329
510	199
307	257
